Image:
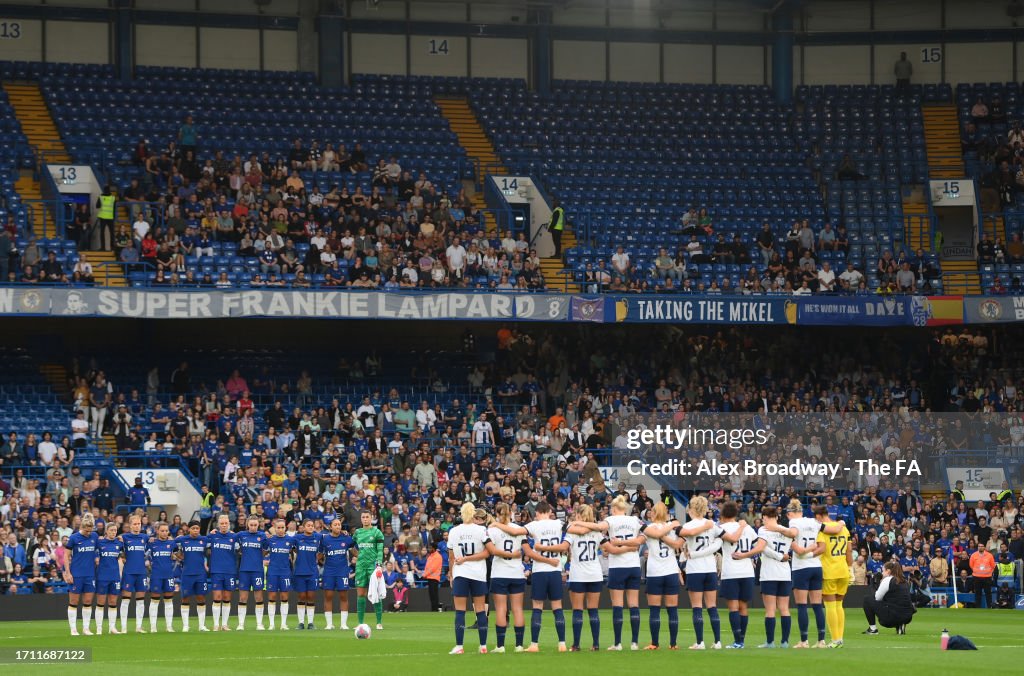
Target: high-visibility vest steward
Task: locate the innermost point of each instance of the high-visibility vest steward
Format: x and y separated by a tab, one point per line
107	207
558	218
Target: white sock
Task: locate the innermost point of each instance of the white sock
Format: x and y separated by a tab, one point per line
202	615
344	617
125	603
216	615
272	607
225	612
874	628
260	607
329	616
112	618
154	614
185	610
99	619
86	618
140	611
243	608
284	614
169	612
73	618
310	612
302	613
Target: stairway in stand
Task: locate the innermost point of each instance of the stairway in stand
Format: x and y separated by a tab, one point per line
473	139
38	125
945	161
60	381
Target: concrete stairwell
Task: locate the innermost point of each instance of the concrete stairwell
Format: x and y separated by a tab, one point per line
59	379
38	125
945	161
473	139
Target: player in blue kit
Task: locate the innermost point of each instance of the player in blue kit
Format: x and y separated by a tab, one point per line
279	572
108	578
223	570
161	576
251	544
192	548
80	573
307	548
335	547
133	575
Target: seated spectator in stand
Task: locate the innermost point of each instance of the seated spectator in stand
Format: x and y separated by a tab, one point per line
827	238
997	111
848	170
1015	249
51	271
28	275
986	250
979	111
998	288
723	251
905	279
826	278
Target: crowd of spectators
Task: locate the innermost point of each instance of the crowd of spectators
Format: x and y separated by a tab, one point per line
792	265
527	434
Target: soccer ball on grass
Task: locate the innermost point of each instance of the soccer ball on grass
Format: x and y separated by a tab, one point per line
363	631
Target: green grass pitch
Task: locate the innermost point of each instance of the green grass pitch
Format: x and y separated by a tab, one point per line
418	643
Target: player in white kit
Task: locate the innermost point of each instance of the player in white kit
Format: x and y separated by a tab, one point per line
585	575
508	579
702	573
776	577
546	546
737	584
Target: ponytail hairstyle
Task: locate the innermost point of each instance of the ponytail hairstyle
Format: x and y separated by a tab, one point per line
896	571
698	507
502	513
468	512
88	520
584	512
795	507
621	503
482	516
659	513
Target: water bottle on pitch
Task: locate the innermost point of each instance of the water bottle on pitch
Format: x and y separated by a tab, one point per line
944	639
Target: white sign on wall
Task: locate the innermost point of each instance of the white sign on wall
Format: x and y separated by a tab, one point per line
169	488
978	481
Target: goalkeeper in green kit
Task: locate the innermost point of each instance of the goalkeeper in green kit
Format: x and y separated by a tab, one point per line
370	545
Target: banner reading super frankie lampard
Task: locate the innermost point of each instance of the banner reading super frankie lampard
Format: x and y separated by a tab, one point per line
201	304
804	451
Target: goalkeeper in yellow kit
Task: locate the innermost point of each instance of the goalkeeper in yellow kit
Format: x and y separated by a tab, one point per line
835	566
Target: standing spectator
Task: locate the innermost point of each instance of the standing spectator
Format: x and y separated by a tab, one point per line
903	70
432	574
80	430
187	138
983	565
106	205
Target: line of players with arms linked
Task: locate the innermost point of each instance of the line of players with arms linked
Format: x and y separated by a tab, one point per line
116	569
808	558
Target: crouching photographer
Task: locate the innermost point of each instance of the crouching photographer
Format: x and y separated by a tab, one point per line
891	605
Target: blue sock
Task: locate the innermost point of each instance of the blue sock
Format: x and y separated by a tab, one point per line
460	626
634	624
535	625
734	624
500	631
716	624
654	620
577	627
787	627
744	619
595	626
819	619
698	624
481	627
560	624
769	629
673	625
520	634
802	620
617	624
